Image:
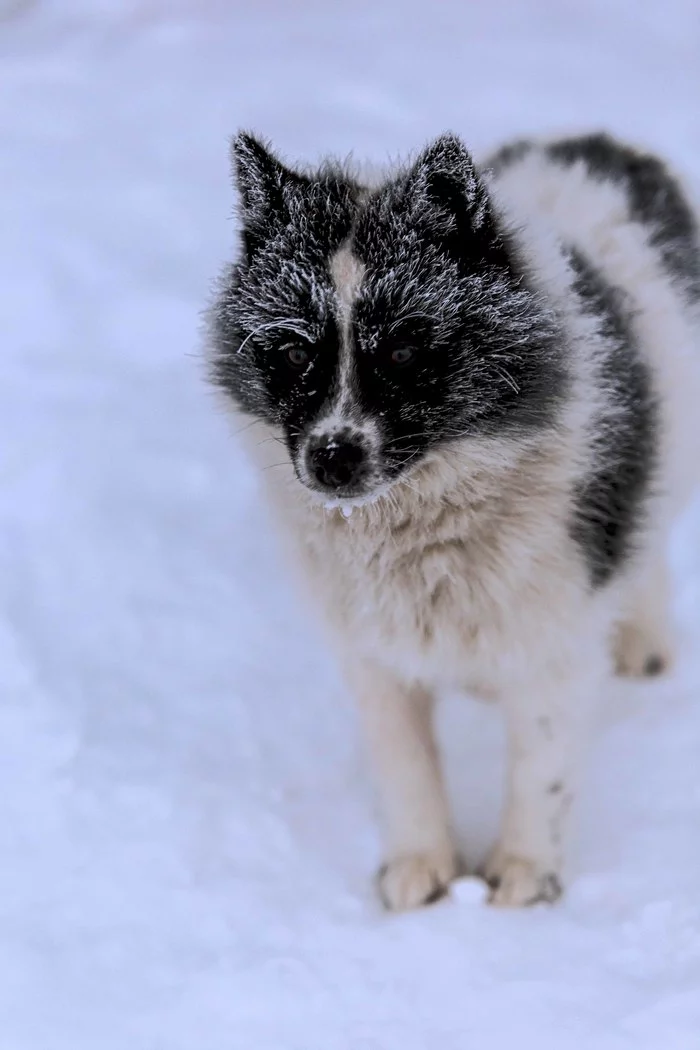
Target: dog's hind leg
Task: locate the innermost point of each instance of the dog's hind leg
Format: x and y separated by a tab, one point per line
643	641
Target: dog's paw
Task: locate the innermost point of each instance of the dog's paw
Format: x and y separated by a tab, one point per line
639	654
416	879
518	882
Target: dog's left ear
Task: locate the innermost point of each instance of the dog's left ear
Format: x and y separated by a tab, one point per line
444	176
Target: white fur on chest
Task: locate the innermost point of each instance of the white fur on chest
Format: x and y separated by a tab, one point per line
455	593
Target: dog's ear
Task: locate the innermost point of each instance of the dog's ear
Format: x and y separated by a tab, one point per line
265	187
263	182
444	181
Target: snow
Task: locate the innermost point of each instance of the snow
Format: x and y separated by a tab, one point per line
186	830
469	889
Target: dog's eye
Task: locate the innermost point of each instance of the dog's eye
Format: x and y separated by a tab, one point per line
403	355
297	356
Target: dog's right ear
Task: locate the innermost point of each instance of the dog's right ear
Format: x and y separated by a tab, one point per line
264	184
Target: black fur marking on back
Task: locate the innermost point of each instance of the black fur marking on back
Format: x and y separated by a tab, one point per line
610	502
654	196
507	155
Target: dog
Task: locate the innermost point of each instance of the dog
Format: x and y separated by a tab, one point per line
482	381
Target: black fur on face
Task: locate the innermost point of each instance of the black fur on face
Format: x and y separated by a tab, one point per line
279	292
374	326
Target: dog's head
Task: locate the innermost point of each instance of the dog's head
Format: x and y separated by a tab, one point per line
370	326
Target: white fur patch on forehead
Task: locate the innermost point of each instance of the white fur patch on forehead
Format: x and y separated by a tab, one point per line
347	272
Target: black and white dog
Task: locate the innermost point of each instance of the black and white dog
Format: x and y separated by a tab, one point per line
485	381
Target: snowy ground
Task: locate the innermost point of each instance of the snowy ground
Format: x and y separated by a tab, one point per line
186	834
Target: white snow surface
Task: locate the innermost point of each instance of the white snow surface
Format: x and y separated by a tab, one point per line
186	830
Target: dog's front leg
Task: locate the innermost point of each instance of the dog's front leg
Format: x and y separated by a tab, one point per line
398	724
548	727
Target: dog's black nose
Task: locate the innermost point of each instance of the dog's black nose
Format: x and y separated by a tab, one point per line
336	463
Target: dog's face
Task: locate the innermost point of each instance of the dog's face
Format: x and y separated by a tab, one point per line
371	326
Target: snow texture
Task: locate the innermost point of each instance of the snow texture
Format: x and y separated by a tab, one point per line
186	830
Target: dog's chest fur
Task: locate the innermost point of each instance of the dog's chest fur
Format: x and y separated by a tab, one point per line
438	588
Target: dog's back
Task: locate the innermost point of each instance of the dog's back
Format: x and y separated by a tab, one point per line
627	214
